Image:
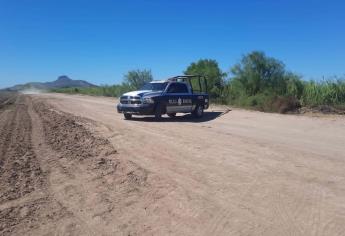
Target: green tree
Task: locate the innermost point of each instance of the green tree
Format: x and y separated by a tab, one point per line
258	73
210	69
262	82
137	78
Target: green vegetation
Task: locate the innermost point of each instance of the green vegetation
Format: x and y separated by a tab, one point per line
329	92
135	79
104	90
256	82
263	83
210	69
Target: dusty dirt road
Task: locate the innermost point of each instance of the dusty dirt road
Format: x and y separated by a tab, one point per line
70	165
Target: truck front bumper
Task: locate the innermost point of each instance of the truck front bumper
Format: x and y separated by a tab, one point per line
137	109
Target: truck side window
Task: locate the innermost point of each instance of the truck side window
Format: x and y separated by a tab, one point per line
177	88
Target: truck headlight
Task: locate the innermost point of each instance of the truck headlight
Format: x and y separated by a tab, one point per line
148	101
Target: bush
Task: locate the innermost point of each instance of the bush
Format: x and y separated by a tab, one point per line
286	104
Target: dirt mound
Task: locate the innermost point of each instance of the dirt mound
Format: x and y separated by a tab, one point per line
23	218
24	201
66	134
286	104
20	171
7	98
56	176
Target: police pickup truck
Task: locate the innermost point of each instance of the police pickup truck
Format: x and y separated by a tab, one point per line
180	94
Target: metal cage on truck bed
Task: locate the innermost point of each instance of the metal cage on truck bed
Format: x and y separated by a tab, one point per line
198	83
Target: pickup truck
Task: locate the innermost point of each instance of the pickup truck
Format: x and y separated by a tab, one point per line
180	94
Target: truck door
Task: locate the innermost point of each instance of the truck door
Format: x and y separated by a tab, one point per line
179	98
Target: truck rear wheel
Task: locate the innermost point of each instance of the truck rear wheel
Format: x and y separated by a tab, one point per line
127	116
199	111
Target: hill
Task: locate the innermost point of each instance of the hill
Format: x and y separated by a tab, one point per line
61	82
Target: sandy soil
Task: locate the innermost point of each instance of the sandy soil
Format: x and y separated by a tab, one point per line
70	165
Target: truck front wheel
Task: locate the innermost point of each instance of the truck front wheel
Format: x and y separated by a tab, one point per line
199	111
127	116
158	111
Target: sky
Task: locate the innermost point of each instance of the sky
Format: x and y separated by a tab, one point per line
99	41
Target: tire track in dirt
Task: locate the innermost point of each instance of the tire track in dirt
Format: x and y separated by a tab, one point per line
218	224
284	216
6	127
24	203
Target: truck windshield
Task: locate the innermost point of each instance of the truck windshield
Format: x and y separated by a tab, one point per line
154	86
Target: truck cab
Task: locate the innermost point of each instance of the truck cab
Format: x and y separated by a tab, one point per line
179	94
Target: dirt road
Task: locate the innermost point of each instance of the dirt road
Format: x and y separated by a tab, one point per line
70	165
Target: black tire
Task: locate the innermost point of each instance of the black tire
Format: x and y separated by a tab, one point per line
127	116
199	111
158	111
172	115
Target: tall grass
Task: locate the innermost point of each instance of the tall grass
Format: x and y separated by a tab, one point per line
291	95
327	92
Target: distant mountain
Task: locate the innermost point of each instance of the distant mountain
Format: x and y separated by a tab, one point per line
61	82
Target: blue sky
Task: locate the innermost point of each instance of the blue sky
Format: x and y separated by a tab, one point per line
99	41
